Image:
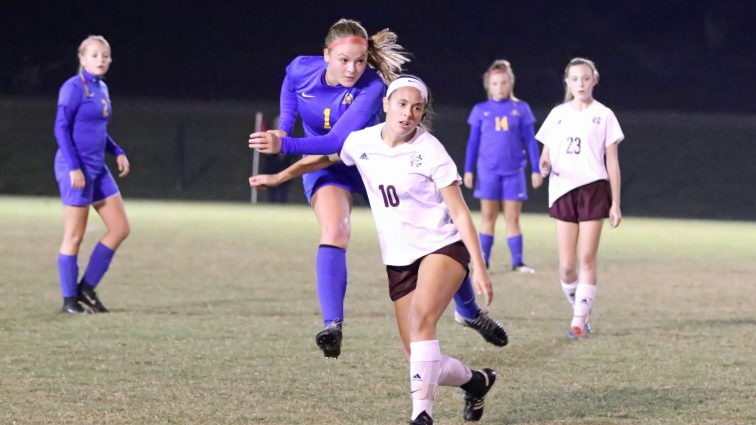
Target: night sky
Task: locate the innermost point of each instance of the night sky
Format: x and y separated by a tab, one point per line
661	55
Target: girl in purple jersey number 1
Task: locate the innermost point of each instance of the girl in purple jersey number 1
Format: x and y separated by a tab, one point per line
581	158
335	94
83	177
501	132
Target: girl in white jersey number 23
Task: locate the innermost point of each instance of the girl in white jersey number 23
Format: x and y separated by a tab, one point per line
580	156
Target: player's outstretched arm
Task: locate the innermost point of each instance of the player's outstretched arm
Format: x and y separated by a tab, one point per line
305	165
460	215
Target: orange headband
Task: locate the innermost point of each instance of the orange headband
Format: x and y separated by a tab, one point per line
352	39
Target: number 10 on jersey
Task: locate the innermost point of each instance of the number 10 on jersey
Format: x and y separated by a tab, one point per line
390	197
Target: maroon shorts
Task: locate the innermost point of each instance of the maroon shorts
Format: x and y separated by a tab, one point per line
584	203
403	279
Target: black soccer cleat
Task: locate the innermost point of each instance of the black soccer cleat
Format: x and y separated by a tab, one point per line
491	330
329	340
88	297
475	398
72	306
422	419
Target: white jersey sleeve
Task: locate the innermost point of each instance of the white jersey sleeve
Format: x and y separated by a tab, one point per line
444	173
614	133
545	134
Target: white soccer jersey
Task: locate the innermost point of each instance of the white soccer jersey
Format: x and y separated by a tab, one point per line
403	184
577	142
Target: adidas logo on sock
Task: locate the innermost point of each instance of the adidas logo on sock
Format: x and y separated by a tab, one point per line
363	156
416	377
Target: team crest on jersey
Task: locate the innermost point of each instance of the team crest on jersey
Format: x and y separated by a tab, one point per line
416	160
515	113
596	120
347	99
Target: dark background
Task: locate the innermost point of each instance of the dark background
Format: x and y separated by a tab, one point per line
672	68
674	55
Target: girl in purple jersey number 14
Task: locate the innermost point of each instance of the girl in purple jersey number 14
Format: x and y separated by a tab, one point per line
83	177
501	132
335	94
581	157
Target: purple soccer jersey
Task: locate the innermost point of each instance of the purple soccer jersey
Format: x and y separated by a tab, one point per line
500	134
329	113
81	123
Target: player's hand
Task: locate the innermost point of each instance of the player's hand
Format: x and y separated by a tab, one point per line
482	283
124	167
77	179
536	179
268	142
264	181
545	165
615	215
468	180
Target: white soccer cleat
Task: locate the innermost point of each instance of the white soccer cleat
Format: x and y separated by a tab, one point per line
522	268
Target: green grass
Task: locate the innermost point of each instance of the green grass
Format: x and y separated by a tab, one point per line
215	310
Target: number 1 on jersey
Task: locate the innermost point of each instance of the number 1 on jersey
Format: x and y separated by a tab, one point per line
327	118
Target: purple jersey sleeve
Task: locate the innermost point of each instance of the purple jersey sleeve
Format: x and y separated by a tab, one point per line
527	134
288	105
473	142
359	115
112	147
69	100
528	137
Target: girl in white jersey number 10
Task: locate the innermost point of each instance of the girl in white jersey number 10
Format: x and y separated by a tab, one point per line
580	156
426	234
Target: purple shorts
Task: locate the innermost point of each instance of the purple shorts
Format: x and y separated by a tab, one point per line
494	187
99	185
585	203
340	175
403	279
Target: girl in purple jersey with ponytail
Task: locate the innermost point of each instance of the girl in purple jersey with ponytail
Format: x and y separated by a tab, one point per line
335	94
83	177
501	139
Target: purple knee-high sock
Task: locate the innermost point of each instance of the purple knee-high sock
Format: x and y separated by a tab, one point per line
68	270
486	242
515	248
98	264
464	300
332	282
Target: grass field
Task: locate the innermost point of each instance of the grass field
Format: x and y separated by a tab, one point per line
214	314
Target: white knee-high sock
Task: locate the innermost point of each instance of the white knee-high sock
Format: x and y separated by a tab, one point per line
584	296
453	372
425	365
569	291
